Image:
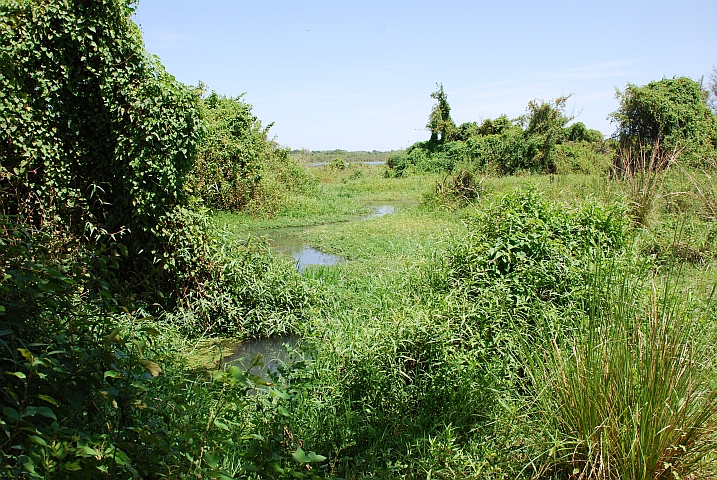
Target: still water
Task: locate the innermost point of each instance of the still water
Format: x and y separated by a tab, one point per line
288	240
275	352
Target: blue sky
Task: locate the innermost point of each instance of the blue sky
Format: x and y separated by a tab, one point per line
358	75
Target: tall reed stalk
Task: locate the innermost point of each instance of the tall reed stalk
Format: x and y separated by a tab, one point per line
632	397
641	170
705	186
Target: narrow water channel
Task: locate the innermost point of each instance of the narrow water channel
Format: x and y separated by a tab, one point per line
274	352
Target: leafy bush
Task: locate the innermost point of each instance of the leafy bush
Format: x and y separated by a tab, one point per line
88	392
671	114
246	291
229	160
586	157
505	152
533	249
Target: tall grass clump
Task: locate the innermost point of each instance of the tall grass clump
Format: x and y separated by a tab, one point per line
632	395
643	171
705	188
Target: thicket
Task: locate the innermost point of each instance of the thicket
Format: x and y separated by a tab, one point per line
238	168
669	117
97	227
539	141
529	347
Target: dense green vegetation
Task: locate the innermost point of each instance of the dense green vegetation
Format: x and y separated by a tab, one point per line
337	157
541	141
558	323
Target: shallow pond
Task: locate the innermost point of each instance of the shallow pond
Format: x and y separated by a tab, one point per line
288	242
274	351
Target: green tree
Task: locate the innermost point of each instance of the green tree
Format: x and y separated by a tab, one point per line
544	123
228	165
439	122
96	138
670	114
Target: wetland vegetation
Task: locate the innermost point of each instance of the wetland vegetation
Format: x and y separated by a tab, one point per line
514	299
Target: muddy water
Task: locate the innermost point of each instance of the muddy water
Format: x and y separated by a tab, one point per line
265	356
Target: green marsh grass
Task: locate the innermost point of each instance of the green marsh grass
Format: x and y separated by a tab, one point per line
417	365
632	396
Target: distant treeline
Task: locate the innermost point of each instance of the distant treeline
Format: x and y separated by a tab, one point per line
328	156
666	117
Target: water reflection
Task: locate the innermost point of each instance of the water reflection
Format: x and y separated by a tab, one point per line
274	351
380	211
288	242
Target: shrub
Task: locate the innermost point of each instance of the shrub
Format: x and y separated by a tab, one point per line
457	191
585	157
536	250
671	114
505	152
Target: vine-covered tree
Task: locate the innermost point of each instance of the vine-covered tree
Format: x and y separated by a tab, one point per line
95	136
670	114
439	122
544	123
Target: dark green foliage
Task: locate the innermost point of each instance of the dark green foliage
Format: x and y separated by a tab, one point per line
424	157
504	146
96	138
669	114
505	151
238	168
